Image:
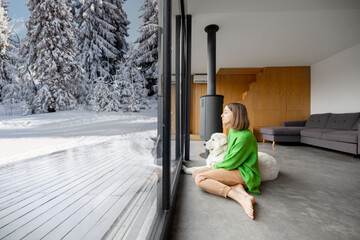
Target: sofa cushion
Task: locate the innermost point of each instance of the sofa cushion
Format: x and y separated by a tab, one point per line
355	127
341	136
317	120
343	121
314	132
285	131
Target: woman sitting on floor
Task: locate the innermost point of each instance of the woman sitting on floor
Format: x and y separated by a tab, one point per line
240	168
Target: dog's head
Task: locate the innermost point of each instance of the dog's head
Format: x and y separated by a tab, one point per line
217	141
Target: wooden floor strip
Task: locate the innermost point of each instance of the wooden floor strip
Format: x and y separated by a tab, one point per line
115	207
22	181
75	195
54	191
45	180
51	161
134	210
90	212
71	210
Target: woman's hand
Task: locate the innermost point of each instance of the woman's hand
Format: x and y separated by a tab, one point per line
212	164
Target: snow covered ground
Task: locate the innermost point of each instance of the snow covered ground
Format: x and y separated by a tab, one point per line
23	137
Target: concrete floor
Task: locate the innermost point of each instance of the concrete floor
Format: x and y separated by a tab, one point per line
316	196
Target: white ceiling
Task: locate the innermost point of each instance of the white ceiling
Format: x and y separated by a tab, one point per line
260	33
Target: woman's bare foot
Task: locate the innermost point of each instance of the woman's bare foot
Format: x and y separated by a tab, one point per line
240	188
246	201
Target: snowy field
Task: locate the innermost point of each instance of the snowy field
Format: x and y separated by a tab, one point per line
23	137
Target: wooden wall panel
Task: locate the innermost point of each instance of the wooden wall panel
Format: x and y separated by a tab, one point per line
239	71
265	117
297	115
280	94
232	86
297	88
269	94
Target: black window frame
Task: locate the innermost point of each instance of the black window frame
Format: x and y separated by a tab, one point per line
167	191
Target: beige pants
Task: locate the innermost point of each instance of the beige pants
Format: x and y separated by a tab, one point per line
217	181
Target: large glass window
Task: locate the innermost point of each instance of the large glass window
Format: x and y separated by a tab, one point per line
171	71
171	112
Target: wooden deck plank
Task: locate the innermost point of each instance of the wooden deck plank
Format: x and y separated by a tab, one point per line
58	163
128	214
11	208
97	214
63	214
71	194
129	218
54	188
44	213
30	227
42	184
19	217
40	164
74	220
22	181
141	224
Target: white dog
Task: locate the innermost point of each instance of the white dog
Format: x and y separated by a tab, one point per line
217	146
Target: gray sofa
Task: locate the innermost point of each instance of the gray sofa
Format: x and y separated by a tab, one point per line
337	131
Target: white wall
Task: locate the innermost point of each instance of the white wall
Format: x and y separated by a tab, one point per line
335	83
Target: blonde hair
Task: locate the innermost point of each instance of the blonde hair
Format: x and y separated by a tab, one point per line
240	119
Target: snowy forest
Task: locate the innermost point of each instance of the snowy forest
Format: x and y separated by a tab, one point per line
75	54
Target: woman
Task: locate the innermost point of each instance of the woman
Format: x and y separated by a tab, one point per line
240	168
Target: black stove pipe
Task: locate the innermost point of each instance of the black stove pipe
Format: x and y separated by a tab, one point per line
211	49
211	105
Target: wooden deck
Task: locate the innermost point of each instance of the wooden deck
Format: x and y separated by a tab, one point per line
94	192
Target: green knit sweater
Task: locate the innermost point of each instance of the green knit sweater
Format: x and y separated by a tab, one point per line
242	154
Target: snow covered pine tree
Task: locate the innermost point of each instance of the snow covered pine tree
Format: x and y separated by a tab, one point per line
102	45
9	86
4	43
147	58
131	84
50	54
